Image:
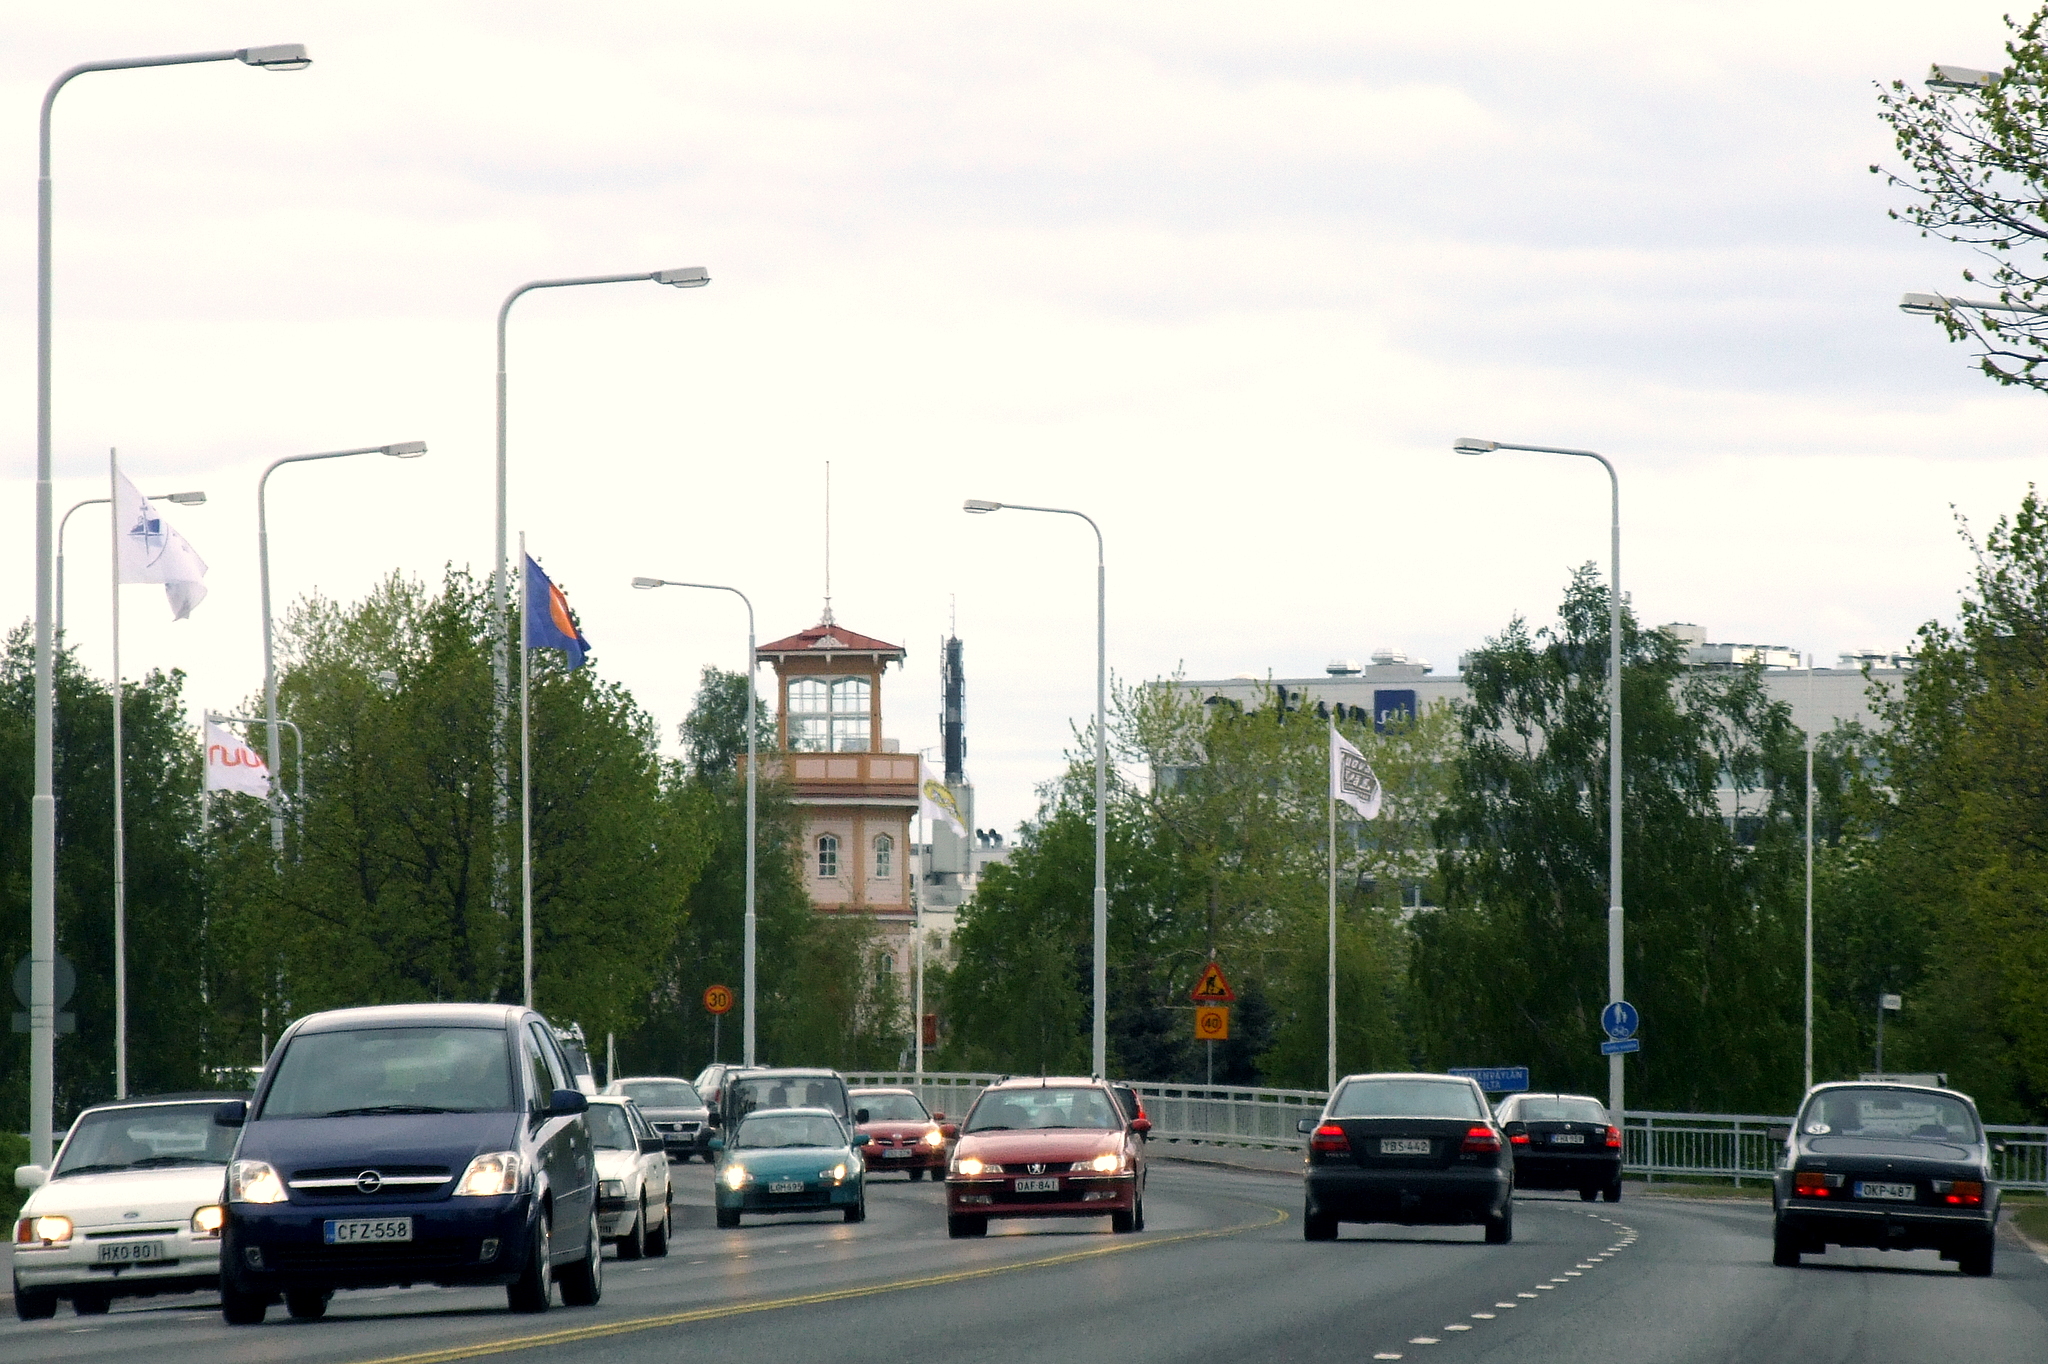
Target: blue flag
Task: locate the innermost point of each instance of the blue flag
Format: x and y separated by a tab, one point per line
548	625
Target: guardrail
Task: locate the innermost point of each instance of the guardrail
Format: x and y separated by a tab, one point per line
1733	1146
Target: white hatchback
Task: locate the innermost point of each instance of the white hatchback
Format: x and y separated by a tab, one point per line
131	1208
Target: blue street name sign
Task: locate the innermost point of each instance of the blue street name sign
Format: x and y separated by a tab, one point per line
1619	1019
1496	1079
1620	1045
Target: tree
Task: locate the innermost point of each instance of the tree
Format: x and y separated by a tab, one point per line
1976	166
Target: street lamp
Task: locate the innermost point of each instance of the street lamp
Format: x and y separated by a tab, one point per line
192	499
1935	305
1100	1060
411	449
1965	79
42	1009
747	961
1468	446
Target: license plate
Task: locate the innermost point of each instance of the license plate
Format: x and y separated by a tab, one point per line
904	1153
1567	1139
1038	1186
129	1252
1902	1193
786	1186
365	1230
1404	1146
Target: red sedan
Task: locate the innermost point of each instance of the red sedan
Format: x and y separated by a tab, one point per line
1047	1148
901	1134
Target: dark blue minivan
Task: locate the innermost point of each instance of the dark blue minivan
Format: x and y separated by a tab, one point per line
415	1143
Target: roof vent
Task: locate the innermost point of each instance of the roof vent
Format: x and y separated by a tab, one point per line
1343	667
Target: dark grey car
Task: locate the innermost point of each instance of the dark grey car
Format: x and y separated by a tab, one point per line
679	1116
1419	1150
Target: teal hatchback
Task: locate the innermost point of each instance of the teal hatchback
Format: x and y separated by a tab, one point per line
789	1160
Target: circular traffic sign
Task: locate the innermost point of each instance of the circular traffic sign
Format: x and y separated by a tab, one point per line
718	999
1619	1019
66	980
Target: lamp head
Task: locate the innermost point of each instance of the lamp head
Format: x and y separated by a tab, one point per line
187	499
410	449
1965	78
979	507
1923	305
689	277
1468	445
643	584
277	57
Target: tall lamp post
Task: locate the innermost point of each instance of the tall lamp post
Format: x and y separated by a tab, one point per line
42	1009
1100	1060
748	958
411	449
1469	446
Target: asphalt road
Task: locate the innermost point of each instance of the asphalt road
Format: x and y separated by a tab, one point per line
1221	1272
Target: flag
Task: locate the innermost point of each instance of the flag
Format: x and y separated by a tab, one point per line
1351	777
231	765
548	625
935	801
149	551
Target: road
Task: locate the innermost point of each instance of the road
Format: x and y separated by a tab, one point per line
1221	1272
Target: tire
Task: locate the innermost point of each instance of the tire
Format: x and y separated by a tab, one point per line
1784	1249
1501	1229
1612	1193
583	1282
1317	1226
1123	1223
1138	1213
307	1304
960	1227
633	1245
34	1304
916	1175
858	1212
240	1307
1589	1195
1976	1260
657	1240
91	1304
534	1289
728	1218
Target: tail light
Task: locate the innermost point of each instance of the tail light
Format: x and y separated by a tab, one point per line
1482	1140
1960	1193
1519	1139
1614	1138
1330	1139
1815	1184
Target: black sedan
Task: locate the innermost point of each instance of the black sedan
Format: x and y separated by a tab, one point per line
1563	1141
1895	1167
1419	1150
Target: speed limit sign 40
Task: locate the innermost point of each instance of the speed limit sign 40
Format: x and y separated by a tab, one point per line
718	999
1212	1023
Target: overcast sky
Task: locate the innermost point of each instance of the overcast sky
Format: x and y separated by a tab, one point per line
1228	277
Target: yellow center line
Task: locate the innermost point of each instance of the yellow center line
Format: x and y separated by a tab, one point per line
601	1330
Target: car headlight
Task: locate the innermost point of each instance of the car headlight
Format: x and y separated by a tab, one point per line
253	1181
935	1138
49	1230
208	1221
835	1174
612	1188
1109	1163
496	1172
734	1176
974	1165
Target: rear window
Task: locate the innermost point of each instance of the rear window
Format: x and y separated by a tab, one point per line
891	1107
1889	1115
1558	1110
661	1094
1407	1099
391	1070
609	1128
146	1139
747	1093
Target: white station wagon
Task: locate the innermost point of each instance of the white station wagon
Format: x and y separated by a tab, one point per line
132	1208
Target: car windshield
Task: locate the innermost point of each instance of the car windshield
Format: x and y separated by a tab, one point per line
1021	1110
609	1130
661	1093
789	1129
154	1138
744	1095
1406	1099
892	1107
1554	1108
1889	1115
391	1070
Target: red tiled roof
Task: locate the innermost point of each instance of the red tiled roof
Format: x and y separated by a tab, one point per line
823	638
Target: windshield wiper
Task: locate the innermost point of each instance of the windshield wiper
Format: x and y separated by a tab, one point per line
371	1109
100	1169
149	1162
993	1127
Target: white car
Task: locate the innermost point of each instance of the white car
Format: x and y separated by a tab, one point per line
132	1208
635	1203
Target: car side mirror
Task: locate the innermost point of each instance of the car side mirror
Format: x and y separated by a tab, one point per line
1304	1125
861	1138
566	1103
1778	1132
860	1116
938	1117
30	1176
652	1146
1141	1125
949	1130
715	1144
231	1114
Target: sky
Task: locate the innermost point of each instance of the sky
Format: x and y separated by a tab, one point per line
1229	278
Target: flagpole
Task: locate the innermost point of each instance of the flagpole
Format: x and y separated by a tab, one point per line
1330	1069
525	773
917	917
120	833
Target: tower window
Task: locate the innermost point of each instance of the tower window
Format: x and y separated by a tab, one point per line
829	715
885	857
828	856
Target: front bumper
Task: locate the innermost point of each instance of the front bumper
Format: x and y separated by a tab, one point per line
918	1157
816	1196
189	1264
1885	1228
1082	1195
455	1241
1452	1197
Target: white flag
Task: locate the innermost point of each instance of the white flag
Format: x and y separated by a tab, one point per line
231	765
1351	777
149	551
935	801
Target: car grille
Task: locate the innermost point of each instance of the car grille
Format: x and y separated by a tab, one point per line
339	1184
1042	1167
681	1127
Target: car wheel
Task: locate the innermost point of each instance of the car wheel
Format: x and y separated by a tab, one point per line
1976	1260
91	1304
958	1227
1317	1225
34	1305
1784	1248
916	1175
1500	1229
728	1218
657	1240
858	1212
534	1289
307	1304
1589	1195
1138	1214
633	1245
583	1282
240	1307
1612	1193
1122	1222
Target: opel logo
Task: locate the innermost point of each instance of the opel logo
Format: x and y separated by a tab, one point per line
1037	1169
369	1181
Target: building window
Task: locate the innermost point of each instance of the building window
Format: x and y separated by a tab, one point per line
884	969
829	715
828	856
885	857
